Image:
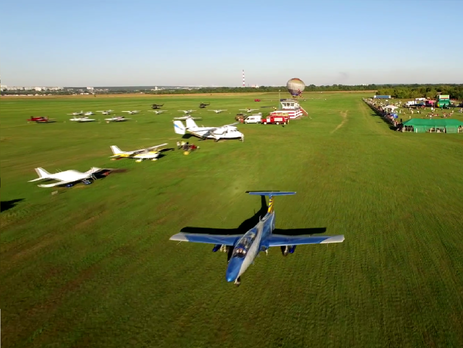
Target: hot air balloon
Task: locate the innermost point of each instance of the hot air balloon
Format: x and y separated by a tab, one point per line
295	86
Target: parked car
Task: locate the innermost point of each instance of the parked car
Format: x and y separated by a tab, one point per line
253	119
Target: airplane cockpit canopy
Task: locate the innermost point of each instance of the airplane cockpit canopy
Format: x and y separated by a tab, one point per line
244	243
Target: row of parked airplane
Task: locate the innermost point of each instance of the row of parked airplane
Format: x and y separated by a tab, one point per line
156	111
87	119
228	131
104	112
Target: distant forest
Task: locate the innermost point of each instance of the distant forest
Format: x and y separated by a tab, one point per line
396	91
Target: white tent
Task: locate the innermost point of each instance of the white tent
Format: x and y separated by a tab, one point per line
391	107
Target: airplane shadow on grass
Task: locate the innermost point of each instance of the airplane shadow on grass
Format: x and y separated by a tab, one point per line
161	152
6	205
247	224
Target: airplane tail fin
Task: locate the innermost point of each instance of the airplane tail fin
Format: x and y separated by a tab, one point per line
179	127
190	123
270	195
42	173
115	149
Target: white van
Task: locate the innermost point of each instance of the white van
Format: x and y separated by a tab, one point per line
253	119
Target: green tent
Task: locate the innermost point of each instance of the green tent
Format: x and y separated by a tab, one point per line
424	125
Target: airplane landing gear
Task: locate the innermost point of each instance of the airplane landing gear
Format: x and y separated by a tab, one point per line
238	281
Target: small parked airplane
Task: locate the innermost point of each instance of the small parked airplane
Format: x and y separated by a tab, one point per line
249	110
78	113
116	119
186	112
218	111
88	113
40	119
151	153
157	106
243	249
203	105
70	177
82	119
216	133
106	112
132	112
157	112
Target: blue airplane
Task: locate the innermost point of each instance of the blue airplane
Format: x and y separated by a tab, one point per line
243	249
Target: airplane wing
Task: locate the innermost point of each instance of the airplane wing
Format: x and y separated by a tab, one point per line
282	240
223	239
203	136
232	124
134	152
155	147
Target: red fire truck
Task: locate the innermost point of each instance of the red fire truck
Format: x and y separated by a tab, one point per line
271	119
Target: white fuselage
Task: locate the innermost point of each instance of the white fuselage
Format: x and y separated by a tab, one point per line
225	132
70	175
82	119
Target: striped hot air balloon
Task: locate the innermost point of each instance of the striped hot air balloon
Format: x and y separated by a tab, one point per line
295	87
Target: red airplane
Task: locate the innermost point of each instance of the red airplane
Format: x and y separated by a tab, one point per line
39	119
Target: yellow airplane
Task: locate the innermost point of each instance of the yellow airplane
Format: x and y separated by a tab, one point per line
150	153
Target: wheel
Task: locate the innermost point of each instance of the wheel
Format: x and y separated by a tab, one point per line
265	122
278	123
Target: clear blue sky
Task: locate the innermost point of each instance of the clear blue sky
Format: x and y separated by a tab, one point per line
179	42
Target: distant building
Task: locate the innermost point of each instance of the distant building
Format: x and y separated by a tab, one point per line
289	108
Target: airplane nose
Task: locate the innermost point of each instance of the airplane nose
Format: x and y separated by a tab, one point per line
233	269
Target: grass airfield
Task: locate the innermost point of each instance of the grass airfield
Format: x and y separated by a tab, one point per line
93	266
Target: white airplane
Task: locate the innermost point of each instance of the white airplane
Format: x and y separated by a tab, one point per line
106	112
82	119
242	249
218	111
70	177
78	113
132	112
150	153
89	113
117	119
216	133
157	112
186	112
249	110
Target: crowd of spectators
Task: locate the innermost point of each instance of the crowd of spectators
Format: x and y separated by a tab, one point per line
387	113
392	113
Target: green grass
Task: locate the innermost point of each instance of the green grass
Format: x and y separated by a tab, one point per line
93	266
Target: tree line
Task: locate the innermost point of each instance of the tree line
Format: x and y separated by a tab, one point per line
422	91
400	91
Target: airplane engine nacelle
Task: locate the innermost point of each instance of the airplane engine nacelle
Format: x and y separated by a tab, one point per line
287	249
